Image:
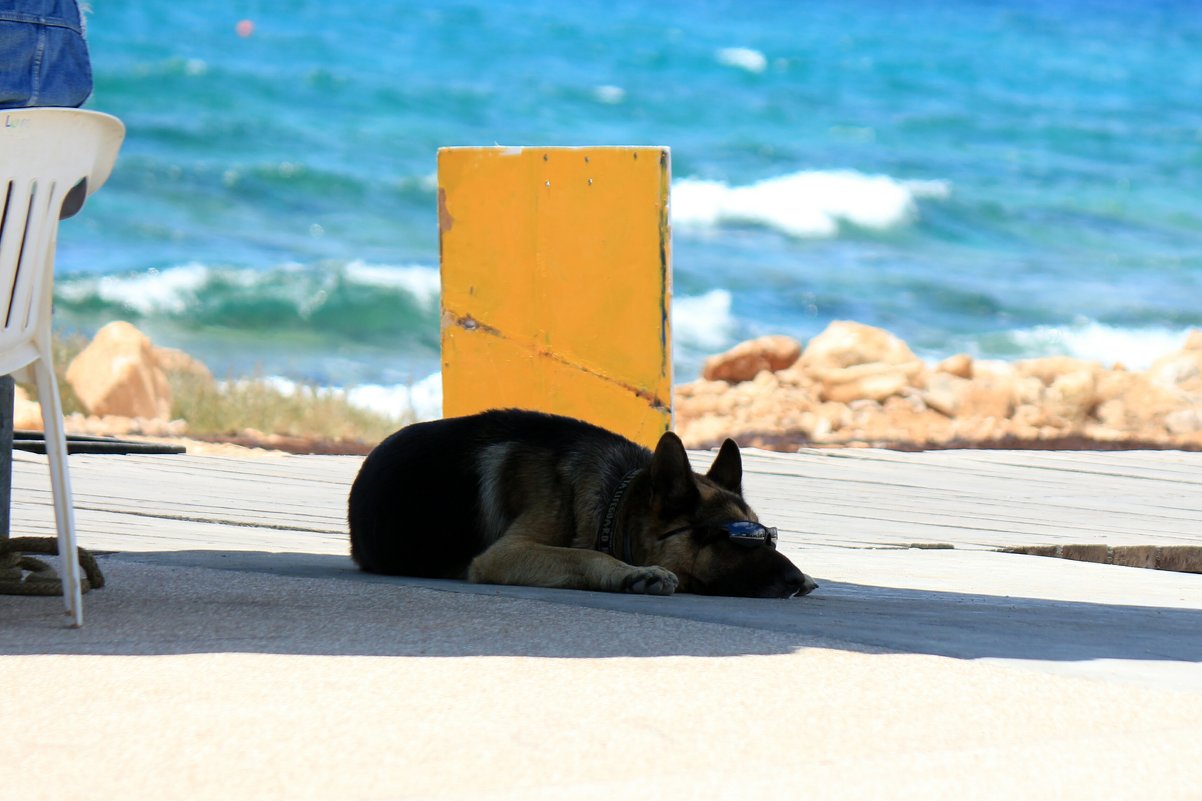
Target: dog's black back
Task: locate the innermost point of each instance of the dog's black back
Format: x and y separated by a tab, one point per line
417	505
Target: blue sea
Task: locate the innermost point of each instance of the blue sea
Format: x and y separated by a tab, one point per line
1008	178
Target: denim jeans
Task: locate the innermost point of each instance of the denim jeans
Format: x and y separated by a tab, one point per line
43	56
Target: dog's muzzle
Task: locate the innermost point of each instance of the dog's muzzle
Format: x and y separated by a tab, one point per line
808	585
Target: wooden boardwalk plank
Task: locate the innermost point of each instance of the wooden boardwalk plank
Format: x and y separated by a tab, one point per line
846	499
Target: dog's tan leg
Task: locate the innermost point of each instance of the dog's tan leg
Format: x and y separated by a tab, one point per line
518	558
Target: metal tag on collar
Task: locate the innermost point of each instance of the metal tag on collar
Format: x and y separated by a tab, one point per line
747	532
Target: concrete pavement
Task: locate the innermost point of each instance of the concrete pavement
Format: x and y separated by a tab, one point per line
240	669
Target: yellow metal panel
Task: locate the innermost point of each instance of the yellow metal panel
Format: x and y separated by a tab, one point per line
556	283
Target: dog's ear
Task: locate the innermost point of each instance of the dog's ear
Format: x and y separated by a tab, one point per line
672	484
727	469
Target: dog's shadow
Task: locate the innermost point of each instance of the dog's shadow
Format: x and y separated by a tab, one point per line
290	603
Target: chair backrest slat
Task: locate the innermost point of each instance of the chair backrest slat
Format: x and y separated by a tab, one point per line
12	244
32	266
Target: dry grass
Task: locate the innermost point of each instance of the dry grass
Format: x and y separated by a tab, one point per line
233	407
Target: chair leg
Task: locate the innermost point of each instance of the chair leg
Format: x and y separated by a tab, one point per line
60	483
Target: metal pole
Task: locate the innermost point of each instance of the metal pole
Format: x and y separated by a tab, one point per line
6	453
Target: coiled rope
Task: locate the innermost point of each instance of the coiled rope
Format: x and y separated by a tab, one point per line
21	574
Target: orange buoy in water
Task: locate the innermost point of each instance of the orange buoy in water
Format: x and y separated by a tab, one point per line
245	28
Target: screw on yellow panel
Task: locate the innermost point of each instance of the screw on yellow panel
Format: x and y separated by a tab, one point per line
556	283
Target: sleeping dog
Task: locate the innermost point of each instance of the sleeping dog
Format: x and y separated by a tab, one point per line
519	497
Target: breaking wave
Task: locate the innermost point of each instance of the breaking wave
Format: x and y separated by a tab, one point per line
808	204
356	301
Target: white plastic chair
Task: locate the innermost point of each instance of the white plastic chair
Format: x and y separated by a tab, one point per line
44	152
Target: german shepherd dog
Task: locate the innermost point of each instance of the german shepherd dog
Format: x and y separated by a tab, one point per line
519	497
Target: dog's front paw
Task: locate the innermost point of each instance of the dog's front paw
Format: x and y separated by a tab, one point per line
651	580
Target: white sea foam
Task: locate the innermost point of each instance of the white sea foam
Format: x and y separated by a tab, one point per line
420	401
174	290
420	281
609	94
744	58
937	190
153	291
808	204
1135	348
703	322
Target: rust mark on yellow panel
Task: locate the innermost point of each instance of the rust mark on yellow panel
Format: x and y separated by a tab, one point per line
648	396
535	351
467	323
445	220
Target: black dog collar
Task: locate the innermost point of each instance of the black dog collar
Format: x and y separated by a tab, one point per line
605	539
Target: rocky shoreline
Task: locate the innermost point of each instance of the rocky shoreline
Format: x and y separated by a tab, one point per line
852	385
858	386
